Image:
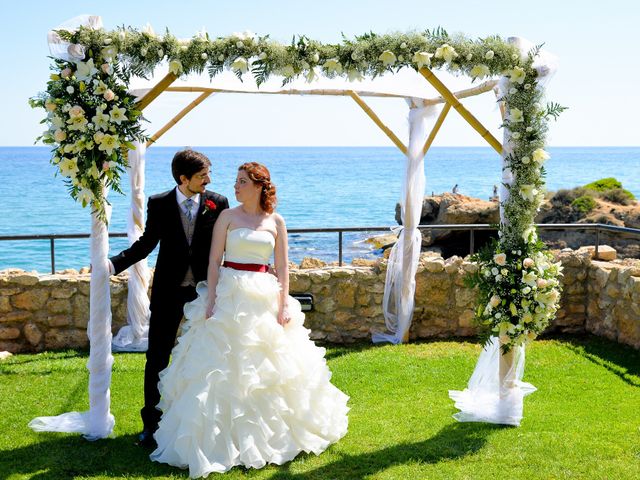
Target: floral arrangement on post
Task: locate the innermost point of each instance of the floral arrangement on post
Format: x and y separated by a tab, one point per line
517	278
91	121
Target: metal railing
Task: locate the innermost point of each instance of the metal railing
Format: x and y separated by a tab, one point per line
471	228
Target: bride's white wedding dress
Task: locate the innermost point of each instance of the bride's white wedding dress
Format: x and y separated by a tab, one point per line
241	389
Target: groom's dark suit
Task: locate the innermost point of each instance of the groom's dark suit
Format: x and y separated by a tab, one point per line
168	293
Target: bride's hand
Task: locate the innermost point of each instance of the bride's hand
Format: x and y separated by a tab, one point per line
283	316
210	305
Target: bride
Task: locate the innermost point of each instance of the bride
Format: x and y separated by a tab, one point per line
246	385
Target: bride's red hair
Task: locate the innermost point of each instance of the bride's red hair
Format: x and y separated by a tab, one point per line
260	175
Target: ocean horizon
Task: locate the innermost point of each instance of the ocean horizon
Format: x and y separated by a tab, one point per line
318	187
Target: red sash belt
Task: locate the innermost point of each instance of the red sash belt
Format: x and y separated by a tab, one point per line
249	267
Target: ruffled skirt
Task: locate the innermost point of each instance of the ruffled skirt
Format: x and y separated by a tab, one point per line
243	390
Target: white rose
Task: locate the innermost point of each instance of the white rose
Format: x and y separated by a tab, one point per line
107	41
160	53
513	91
500	259
204	55
541	283
403	45
175	67
59	135
287	71
315	57
479	71
76	111
109	95
528	262
515	115
76	51
526	160
355	75
446	52
221	58
517	75
239	44
70	89
540	156
528	192
333	66
387	58
422	59
489	55
469	57
262	55
494	301
526	290
143	52
240	64
516	135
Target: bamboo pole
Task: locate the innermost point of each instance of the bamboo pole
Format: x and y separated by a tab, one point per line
455	103
160	87
378	122
436	128
178	117
468	92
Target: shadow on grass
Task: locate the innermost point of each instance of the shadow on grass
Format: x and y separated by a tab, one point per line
56	457
454	441
621	360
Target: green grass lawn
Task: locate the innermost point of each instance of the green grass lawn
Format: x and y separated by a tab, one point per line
583	422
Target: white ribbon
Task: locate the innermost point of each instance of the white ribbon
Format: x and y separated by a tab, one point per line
400	282
133	337
98	422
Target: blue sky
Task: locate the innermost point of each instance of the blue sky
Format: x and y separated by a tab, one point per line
594	40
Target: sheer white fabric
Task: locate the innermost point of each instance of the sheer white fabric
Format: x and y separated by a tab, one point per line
62	49
98	422
133	337
495	394
489	399
400	283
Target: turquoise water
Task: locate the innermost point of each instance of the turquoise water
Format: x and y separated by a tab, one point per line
317	187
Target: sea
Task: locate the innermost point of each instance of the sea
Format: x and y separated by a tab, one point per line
317	187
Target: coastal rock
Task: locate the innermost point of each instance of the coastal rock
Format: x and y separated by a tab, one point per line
456	209
311	262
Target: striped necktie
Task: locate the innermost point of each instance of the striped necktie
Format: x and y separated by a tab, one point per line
189	205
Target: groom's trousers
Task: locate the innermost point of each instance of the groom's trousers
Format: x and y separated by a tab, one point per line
163	327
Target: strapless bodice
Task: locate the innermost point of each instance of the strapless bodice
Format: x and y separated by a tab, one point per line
246	245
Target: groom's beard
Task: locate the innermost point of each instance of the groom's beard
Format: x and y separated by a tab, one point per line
201	190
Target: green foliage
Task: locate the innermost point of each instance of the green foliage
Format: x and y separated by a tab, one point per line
619	195
611	189
603	184
400	424
584	204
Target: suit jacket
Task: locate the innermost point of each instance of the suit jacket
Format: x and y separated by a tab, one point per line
164	226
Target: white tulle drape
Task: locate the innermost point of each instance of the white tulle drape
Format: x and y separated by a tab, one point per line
60	48
97	422
400	283
496	391
133	337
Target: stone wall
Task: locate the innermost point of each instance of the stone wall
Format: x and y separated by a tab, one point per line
46	312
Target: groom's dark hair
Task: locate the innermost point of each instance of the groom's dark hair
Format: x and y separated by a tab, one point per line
188	162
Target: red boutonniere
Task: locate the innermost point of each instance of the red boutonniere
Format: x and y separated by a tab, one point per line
209	205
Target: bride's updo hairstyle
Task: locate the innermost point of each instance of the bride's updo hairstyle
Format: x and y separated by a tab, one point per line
260	175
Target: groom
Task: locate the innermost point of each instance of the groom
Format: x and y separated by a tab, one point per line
181	220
